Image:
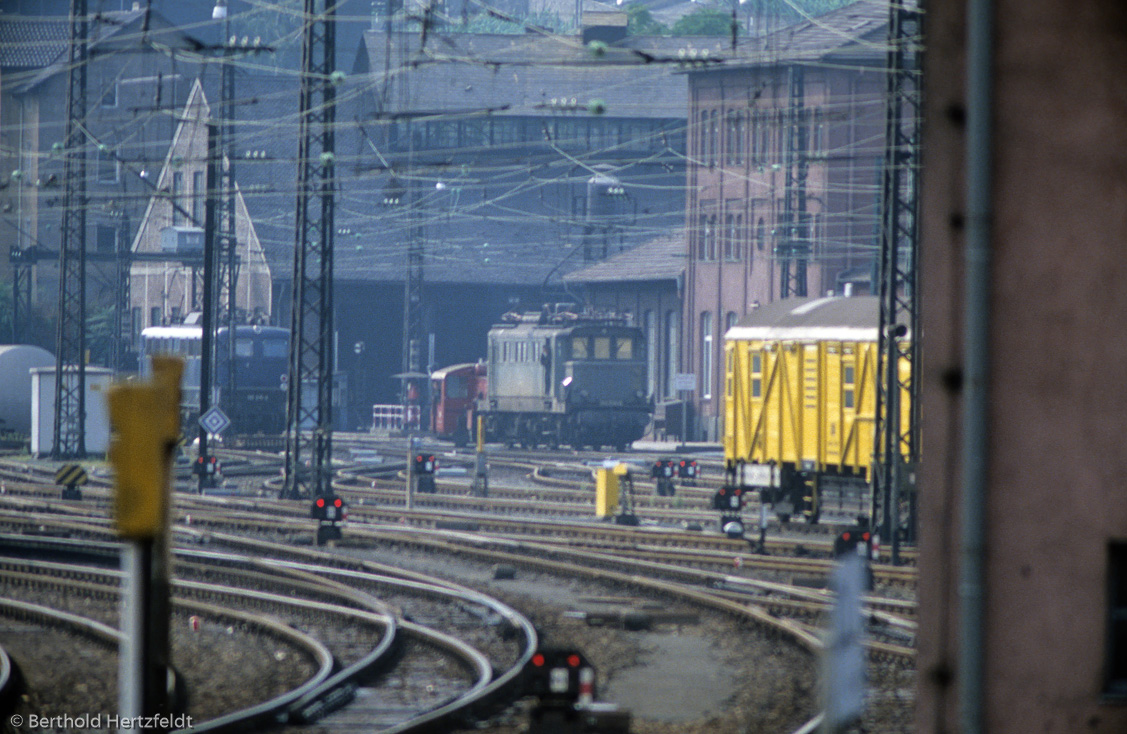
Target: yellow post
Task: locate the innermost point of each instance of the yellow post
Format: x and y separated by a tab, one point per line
145	423
145	420
606	492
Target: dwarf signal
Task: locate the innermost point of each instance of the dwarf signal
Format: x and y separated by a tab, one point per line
663	471
423	466
329	510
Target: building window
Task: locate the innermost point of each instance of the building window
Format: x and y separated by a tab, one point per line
706	355
154	316
650	325
710	235
177	191
672	347
106	238
761	137
107	166
109	99
713	136
734	143
729	320
732	235
702	138
198	196
760	235
1115	683
738	238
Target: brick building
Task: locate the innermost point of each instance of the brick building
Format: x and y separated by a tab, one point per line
786	140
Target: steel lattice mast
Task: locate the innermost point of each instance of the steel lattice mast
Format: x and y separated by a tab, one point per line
69	437
794	251
309	432
227	238
899	313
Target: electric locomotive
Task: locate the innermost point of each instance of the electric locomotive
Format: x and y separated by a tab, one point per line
558	377
261	356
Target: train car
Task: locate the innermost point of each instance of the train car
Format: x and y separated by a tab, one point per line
455	391
261	364
558	377
800	400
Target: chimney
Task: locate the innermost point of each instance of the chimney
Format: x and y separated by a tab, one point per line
604	23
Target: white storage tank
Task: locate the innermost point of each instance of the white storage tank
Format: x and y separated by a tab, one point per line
43	409
16	363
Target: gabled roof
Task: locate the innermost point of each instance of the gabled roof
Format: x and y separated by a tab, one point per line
662	258
522	74
856	33
31	42
111	33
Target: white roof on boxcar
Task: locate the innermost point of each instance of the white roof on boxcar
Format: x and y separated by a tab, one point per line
835	318
179	331
441	374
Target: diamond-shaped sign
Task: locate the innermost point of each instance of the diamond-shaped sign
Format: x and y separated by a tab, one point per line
214	420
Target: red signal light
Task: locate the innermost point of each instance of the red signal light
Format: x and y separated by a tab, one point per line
538	660
865	537
573	660
845	536
738	491
320	502
723	491
337	502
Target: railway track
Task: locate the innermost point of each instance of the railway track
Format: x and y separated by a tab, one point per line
332	608
701	569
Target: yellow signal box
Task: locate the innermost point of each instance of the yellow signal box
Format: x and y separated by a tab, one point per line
607	480
145	420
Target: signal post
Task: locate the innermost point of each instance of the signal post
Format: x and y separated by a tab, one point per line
145	424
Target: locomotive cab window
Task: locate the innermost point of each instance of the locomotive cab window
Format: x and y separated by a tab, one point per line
579	347
275	348
244	347
602	347
847	387
623	347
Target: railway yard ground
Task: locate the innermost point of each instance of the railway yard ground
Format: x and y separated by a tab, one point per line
690	631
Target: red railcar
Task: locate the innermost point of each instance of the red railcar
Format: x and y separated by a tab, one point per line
454	391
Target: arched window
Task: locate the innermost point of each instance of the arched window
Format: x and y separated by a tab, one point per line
710	238
729	235
713	136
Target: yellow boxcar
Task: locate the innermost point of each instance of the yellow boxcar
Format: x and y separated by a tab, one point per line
800	395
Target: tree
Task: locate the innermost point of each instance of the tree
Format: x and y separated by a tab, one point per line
640	22
704	22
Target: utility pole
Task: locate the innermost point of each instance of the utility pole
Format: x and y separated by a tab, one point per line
309	427
69	439
207	340
227	238
894	443
794	251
